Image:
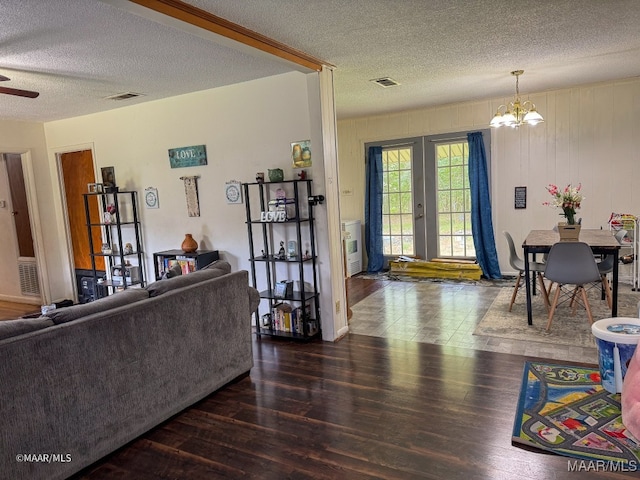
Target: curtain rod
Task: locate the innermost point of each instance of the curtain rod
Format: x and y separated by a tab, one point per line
447	139
405	144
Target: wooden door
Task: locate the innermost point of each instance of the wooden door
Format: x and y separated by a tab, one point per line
77	172
19	205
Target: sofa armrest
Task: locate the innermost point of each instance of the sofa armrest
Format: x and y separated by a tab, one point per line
254	299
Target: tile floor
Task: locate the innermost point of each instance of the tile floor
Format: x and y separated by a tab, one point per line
446	313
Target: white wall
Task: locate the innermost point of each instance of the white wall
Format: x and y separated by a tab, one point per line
590	135
246	128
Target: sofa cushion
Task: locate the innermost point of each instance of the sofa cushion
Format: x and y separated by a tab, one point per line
12	328
164	286
221	264
125	297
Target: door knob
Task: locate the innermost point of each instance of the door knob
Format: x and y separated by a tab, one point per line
14	213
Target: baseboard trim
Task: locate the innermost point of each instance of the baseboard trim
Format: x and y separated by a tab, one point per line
342	333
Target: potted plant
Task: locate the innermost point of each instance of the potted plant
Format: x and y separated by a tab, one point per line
568	200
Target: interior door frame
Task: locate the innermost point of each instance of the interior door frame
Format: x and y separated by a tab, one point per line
34	219
58	152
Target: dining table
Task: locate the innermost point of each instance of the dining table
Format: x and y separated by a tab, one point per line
602	242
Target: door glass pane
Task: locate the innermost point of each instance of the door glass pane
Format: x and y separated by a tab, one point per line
454	201
397	210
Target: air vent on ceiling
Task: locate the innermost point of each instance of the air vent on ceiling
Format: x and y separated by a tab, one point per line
385	82
124	96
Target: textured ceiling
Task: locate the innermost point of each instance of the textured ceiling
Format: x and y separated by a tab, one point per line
440	51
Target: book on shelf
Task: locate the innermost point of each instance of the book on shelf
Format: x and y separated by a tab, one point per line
285	318
187	265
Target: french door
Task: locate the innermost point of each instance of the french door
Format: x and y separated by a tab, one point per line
426	197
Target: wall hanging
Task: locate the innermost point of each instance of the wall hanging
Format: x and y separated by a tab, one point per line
193	156
191	192
151	197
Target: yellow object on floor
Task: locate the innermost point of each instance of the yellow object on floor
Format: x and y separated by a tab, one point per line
437	268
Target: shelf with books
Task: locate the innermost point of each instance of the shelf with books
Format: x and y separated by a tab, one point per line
189	262
280	227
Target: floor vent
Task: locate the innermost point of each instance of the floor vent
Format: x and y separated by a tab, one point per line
385	82
29	284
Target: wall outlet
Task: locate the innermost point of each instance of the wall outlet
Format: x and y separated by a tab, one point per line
3	204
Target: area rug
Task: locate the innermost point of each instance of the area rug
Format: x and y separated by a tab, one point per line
566	329
565	410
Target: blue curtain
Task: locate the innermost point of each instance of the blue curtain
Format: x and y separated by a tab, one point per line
481	223
373	211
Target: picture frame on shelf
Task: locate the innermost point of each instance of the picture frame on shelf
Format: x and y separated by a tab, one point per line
109	179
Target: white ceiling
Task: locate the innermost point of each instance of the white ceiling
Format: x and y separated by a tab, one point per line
77	52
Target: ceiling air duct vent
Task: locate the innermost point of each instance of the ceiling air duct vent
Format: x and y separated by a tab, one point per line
124	96
385	82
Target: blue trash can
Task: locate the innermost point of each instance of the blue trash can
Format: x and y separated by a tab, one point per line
617	339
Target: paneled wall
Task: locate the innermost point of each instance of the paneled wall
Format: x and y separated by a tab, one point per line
590	135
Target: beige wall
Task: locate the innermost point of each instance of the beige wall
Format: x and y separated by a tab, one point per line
27	138
590	135
246	128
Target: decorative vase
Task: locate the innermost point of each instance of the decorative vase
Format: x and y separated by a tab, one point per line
569	233
189	245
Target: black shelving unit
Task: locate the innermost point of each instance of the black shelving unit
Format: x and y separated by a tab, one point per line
201	259
268	267
124	223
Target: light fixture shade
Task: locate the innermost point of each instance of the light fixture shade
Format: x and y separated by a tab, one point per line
509	119
533	117
496	121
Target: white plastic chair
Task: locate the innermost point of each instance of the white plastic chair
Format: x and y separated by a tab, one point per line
571	263
518	264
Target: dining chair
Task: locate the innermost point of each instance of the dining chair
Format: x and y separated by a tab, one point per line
605	266
571	263
518	264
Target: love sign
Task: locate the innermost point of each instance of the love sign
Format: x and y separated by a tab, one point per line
279	216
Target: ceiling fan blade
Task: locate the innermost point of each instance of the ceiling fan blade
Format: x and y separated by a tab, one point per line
18	92
3	78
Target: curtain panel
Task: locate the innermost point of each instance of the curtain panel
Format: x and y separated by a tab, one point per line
481	222
373	211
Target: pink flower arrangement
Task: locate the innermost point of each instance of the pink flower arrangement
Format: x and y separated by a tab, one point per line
568	200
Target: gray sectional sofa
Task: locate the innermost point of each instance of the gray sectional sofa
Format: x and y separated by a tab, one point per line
87	379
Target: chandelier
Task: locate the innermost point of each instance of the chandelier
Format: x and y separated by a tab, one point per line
516	113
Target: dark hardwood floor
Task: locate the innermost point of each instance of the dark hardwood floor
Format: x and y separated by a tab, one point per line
11	310
361	408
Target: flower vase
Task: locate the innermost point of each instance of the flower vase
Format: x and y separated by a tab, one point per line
568	233
189	245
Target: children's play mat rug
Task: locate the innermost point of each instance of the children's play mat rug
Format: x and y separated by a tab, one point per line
565	410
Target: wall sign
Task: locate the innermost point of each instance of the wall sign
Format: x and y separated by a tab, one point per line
151	197
232	192
193	156
520	197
